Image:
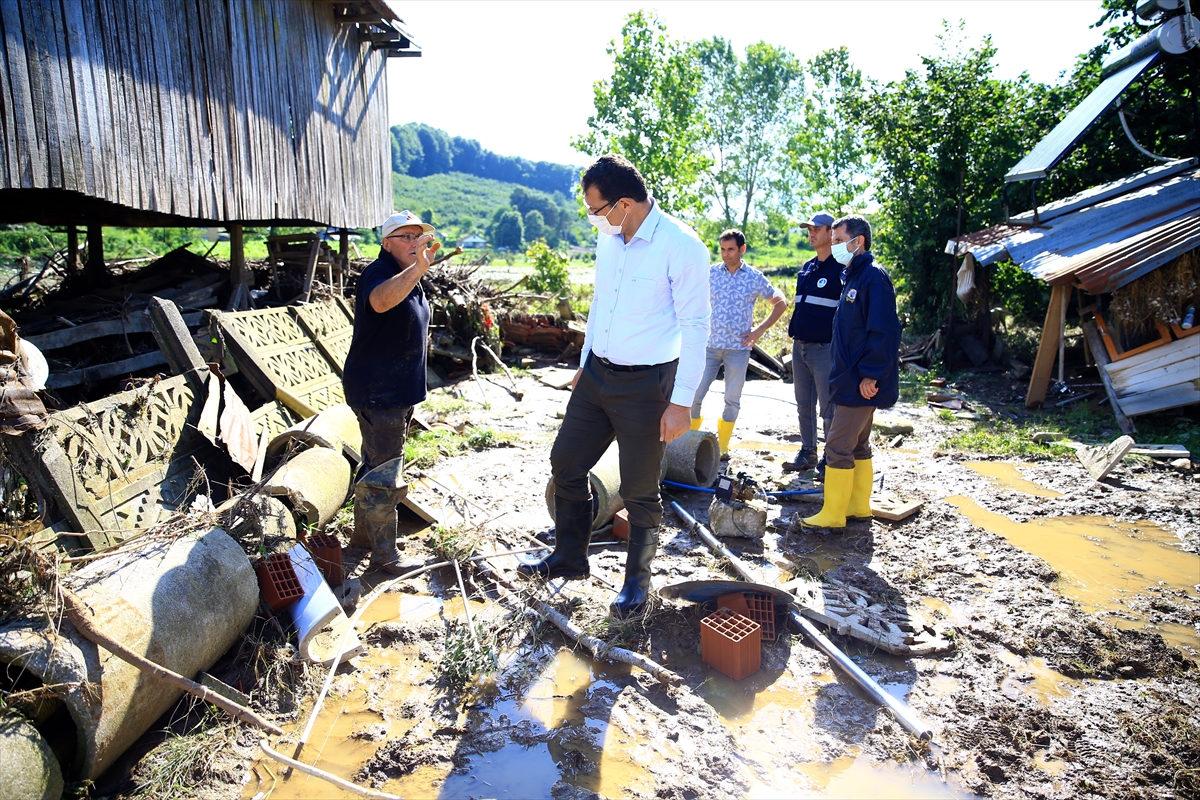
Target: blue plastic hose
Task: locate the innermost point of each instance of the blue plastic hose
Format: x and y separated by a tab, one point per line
771	494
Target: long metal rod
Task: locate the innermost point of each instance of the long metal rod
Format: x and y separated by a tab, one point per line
902	712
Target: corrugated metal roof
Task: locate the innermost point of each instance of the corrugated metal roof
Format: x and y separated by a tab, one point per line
1110	266
1104	245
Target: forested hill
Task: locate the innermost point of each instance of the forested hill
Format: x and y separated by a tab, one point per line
420	150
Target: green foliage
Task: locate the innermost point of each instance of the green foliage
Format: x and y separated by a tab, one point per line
535	228
944	138
648	112
422	150
549	268
1003	438
509	231
828	165
1018	291
747	104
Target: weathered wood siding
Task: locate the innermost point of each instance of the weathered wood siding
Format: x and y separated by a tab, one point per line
1158	379
221	110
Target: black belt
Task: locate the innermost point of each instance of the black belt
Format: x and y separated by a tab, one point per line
604	362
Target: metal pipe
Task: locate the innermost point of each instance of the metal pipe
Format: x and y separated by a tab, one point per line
902	712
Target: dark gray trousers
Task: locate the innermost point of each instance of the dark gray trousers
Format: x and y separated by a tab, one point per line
383	433
627	406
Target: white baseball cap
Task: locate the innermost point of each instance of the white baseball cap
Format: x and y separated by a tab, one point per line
403	219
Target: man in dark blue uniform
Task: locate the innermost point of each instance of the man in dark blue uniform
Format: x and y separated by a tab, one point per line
384	376
865	374
818	288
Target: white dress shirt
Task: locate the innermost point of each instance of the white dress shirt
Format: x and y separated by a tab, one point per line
651	300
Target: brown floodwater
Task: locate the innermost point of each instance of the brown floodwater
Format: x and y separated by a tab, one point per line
1101	563
1009	476
757	711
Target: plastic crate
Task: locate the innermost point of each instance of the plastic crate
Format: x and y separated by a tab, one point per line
277	581
731	643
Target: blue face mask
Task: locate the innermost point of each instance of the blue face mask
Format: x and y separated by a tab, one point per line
842	253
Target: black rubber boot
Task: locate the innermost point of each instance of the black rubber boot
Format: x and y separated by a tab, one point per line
820	476
572	535
804	460
643	543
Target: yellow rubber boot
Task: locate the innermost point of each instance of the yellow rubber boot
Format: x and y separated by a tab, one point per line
697	422
724	431
838	485
860	494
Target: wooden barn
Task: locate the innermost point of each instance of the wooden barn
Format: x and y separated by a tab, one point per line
196	113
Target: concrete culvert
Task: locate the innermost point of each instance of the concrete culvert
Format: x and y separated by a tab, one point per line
314	483
605	482
335	427
30	770
694	459
180	603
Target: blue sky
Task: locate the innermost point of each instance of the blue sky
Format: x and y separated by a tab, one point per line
517	76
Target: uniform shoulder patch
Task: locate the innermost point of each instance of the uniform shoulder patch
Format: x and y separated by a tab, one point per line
822	282
851	295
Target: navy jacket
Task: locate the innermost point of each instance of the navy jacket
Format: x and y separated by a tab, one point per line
866	337
818	288
385	367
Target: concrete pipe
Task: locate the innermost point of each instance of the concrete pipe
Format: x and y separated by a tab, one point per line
605	482
694	459
335	427
314	483
29	768
179	603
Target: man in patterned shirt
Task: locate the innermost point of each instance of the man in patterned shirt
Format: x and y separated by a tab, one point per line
733	287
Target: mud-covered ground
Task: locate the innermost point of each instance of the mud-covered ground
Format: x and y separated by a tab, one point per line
1053	688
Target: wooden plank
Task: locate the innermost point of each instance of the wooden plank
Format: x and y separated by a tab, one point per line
61	380
311	270
1156	359
766	358
1183	394
1170	375
65	155
83	101
1160	451
28	141
1099	461
138	323
1093	337
1047	349
8	135
893	509
754	368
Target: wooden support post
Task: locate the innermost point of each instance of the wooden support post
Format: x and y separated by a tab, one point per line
1048	348
239	286
72	249
311	271
1092	337
95	247
174	339
343	259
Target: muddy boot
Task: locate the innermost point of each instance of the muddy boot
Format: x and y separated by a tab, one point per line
804	460
572	535
643	543
376	522
820	470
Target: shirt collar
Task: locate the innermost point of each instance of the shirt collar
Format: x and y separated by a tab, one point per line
646	230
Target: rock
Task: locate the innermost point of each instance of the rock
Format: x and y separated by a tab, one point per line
738	520
891	426
1182	464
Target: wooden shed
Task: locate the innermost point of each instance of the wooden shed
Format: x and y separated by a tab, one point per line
196	112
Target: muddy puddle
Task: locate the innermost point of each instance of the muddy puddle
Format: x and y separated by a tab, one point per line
596	751
1103	565
1008	476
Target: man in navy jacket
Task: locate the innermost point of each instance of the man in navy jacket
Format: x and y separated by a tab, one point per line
865	374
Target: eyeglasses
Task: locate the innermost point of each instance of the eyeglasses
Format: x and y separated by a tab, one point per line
598	210
405	237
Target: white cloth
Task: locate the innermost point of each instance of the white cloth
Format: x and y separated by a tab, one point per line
651	300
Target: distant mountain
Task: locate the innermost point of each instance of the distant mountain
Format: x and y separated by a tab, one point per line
419	150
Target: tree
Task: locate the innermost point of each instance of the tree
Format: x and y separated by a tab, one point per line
534	227
944	139
827	163
648	111
427	216
509	231
747	104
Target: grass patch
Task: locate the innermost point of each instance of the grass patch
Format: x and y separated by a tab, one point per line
424	448
180	765
1003	438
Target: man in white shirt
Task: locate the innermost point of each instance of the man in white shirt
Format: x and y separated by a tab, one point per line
641	364
733	286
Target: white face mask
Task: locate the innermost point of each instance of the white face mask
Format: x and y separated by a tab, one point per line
602	224
842	254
